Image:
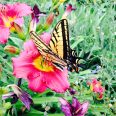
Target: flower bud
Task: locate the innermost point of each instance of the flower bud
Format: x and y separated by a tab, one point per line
49	20
72	91
19	31
110	105
99	96
68	10
11	49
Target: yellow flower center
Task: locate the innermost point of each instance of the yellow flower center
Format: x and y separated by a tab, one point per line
8	21
11	19
41	64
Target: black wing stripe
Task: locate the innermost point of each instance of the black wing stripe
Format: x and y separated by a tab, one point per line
36	39
53	42
67	39
64	40
54	37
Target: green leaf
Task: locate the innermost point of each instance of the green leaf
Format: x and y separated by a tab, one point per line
45	99
77	41
17	41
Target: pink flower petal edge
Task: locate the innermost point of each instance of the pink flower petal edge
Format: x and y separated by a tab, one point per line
4	34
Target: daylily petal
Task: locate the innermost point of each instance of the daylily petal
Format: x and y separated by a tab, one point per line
29	46
18	10
23	9
57	80
1	21
4	34
66	107
19	21
46	37
96	86
23	65
7	95
94	81
11	10
26	99
74	109
25	61
75	103
18	93
36	83
36	13
84	108
22	95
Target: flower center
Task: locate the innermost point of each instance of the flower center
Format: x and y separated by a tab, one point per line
43	65
8	21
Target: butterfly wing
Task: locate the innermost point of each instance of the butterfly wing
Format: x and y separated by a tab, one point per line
41	46
46	51
59	43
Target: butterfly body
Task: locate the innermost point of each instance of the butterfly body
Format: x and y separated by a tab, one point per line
58	51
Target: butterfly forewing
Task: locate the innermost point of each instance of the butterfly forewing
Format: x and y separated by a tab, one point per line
46	51
60	39
38	42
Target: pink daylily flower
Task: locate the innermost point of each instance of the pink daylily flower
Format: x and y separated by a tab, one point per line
40	73
96	87
9	14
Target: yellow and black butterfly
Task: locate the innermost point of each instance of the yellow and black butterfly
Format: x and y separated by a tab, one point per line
58	51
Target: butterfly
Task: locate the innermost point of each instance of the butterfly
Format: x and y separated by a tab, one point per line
58	51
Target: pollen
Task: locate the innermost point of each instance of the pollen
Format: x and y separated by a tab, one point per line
41	64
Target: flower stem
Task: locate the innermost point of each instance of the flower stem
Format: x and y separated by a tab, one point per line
0	101
56	6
